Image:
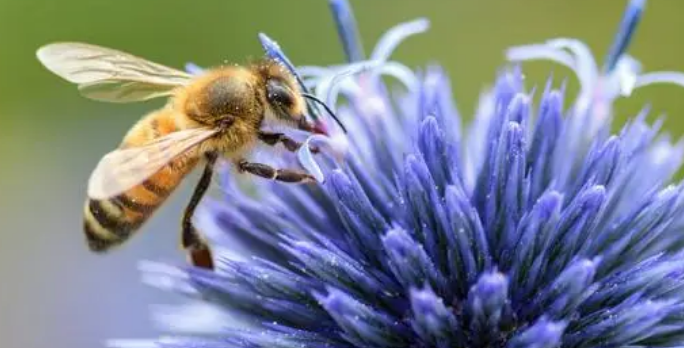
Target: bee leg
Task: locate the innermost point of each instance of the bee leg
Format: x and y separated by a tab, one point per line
289	143
268	172
191	240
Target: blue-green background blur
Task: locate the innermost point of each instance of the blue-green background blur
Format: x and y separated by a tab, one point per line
53	293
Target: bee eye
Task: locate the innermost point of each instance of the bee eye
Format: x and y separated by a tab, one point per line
279	94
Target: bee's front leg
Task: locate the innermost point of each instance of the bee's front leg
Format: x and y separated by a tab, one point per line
289	143
191	240
268	172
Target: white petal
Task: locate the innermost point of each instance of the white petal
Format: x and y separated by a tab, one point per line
586	68
540	52
393	37
337	145
131	343
401	72
307	161
197	317
328	88
309	71
626	73
672	77
165	277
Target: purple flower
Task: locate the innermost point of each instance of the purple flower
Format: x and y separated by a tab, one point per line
535	227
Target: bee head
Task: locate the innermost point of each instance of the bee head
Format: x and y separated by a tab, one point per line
285	104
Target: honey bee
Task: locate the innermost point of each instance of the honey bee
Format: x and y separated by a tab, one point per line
217	114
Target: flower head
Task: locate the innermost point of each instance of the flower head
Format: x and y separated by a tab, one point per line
524	233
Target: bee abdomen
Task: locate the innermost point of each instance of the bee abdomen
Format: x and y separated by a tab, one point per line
98	240
109	223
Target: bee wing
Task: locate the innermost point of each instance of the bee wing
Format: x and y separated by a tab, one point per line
122	169
109	75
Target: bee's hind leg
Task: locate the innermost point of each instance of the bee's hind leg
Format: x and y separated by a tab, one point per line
199	253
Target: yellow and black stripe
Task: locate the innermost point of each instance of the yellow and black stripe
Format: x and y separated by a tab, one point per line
108	223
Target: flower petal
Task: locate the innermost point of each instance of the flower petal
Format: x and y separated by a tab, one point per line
394	36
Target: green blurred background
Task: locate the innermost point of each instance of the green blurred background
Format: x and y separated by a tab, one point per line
53	293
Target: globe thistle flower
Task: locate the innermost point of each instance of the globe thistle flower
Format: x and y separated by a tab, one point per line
535	227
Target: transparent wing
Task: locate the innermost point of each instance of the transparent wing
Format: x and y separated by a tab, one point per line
122	169
109	75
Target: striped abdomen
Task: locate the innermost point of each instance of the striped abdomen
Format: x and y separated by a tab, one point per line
110	222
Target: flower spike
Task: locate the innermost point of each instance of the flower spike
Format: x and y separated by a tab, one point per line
625	34
551	231
347	29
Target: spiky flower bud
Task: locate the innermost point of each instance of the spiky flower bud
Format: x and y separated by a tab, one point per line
536	227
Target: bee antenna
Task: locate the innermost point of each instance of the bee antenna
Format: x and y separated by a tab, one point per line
327	109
